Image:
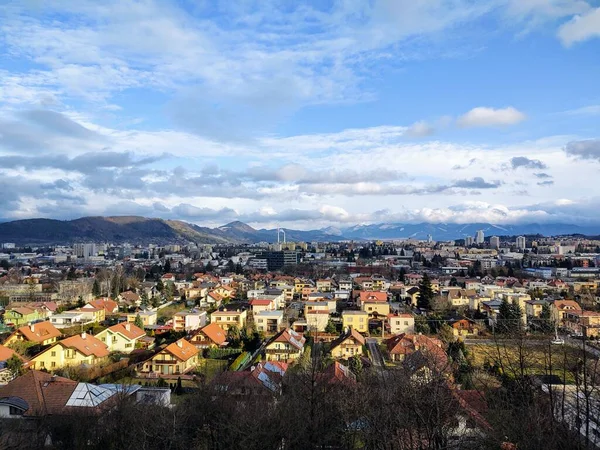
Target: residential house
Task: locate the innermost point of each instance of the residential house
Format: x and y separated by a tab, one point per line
121	337
259	305
401	323
149	317
214	298
285	346
559	308
459	298
337	373
324	285
227	319
264	379
42	333
317	319
586	323
22	315
345	285
189	320
465	327
224	291
211	335
412	279
306	291
72	351
268	322
5	374
129	299
533	308
376	309
350	343
109	305
68	319
358	320
400	346
177	358
411	295
91	314
315	306
371	297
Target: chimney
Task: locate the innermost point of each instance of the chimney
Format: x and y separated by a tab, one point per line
83	335
32	327
180	343
128	326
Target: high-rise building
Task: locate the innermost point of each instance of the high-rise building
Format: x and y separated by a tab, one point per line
494	242
521	243
469	241
84	250
479	237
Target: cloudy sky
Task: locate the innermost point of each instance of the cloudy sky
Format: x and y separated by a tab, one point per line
303	114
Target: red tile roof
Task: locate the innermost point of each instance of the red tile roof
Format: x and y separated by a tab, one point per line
86	344
373	296
182	350
39	332
43	393
129	330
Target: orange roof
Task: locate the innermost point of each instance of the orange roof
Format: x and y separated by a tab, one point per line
129	330
86	344
182	350
260	302
373	296
567	305
215	333
6	353
39	332
109	305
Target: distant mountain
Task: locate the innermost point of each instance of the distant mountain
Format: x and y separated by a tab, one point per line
104	229
451	231
135	229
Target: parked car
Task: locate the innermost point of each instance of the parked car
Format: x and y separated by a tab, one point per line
558	341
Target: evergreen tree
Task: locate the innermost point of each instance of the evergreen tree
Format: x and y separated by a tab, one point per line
425	296
96	289
356	365
330	328
230	266
160	285
138	322
402	275
208	268
14	364
167	267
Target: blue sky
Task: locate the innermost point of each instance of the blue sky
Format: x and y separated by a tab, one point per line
303	114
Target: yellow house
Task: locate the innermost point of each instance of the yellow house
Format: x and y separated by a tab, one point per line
43	333
401	323
317	319
347	345
284	346
376	309
175	359
300	284
227	319
91	313
358	320
72	351
121	337
148	317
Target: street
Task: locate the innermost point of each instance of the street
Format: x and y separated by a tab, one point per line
375	353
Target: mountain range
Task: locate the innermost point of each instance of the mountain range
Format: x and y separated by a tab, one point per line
136	230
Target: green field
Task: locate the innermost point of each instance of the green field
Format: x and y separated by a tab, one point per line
514	360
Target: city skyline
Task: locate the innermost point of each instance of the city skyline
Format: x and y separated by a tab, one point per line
326	113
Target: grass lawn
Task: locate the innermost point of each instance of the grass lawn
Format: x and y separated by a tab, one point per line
559	360
167	313
211	367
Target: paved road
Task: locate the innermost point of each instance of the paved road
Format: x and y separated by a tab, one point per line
375	353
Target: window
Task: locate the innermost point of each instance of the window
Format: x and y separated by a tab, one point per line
42	364
103	339
128	345
52	364
15	411
52	353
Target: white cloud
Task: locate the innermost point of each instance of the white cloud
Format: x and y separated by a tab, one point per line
420	129
580	28
488	117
